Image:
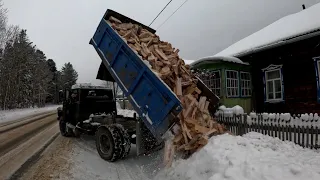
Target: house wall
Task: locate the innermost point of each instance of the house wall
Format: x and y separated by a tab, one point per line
244	102
299	77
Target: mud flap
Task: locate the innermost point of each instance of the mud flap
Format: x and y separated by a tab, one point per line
146	143
139	141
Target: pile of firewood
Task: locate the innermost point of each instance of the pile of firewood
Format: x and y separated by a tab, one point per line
196	124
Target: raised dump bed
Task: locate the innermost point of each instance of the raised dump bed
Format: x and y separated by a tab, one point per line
155	103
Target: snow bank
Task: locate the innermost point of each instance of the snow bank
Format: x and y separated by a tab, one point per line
277	32
251	157
10	115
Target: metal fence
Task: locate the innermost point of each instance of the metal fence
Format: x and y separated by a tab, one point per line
296	129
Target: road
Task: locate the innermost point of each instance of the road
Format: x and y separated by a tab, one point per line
77	159
32	148
23	138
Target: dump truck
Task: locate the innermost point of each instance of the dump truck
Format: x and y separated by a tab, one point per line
156	105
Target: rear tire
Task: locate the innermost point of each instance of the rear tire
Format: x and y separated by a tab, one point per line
108	143
126	143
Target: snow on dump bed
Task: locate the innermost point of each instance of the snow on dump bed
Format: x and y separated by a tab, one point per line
290	26
251	157
10	115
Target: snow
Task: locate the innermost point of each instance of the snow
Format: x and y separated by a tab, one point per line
95	124
87	86
229	112
188	61
285	119
214	59
238	110
253	115
287	27
125	112
250	157
87	164
10	115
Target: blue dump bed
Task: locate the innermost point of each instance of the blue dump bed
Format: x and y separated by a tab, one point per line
155	103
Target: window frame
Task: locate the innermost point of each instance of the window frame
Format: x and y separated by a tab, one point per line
272	68
237	86
317	71
210	81
246	80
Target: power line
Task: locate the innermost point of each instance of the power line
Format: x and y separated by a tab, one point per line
160	12
172	14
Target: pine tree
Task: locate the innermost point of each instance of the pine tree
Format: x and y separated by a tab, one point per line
53	83
69	76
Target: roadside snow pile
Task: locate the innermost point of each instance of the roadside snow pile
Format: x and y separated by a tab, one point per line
250	157
125	112
10	115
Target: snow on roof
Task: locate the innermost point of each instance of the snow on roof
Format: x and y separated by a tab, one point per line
286	28
215	59
188	61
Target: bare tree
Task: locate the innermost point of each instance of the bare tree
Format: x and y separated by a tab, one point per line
3	21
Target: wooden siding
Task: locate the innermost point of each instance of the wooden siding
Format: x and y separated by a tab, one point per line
299	76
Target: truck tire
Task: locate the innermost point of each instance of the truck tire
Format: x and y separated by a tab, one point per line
126	143
108	143
64	129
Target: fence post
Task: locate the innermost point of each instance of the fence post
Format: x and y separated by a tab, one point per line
243	119
307	133
244	124
317	134
312	133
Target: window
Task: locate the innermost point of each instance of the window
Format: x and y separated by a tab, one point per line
212	80
245	82
215	83
317	72
232	83
273	83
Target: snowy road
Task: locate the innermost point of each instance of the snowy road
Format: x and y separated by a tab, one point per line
22	139
71	158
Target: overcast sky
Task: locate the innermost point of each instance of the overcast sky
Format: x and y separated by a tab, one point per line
63	28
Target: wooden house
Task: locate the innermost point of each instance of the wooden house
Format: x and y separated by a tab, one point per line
227	77
285	63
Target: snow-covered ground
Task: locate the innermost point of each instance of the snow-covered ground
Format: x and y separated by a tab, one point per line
10	115
87	164
250	157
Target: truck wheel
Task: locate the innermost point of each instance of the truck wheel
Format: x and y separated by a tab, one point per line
126	144
108	143
64	129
